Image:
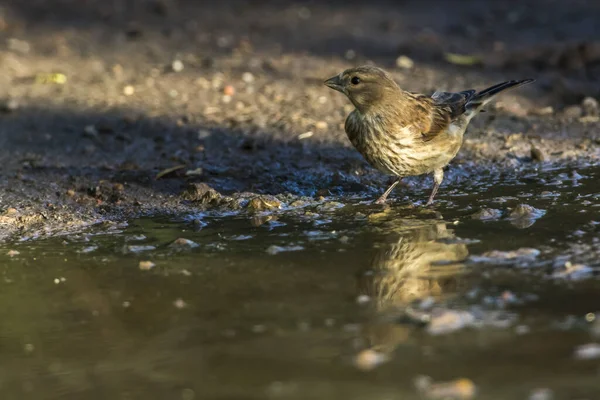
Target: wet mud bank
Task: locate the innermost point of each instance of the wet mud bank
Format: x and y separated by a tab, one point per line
110	112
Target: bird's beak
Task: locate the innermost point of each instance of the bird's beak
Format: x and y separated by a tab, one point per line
335	82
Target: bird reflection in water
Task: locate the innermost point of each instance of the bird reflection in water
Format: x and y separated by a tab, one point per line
418	260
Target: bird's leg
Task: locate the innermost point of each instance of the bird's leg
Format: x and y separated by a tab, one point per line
385	194
438	177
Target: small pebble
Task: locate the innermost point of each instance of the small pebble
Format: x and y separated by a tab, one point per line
128	90
180	303
248	77
541	394
590	106
146	265
12	253
369	359
363	299
229	90
447	321
177	66
487	214
404	62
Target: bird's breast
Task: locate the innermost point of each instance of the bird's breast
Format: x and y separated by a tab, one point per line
399	150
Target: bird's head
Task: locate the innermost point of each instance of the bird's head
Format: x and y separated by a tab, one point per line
365	86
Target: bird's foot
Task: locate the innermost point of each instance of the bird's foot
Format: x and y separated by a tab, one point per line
380	201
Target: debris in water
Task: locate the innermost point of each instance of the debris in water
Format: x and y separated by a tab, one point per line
182	243
541	394
369	359
272	250
180	303
12	253
140	248
462	59
88	249
524	254
574	272
459	389
487	214
146	265
57	79
363	299
169	171
589	351
443	321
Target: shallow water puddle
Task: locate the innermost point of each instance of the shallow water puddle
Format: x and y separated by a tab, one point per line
335	301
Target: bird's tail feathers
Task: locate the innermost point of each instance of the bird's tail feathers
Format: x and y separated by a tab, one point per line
479	100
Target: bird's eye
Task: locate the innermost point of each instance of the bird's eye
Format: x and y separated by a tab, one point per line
355	80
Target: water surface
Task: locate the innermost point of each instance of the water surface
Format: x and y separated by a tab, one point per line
281	305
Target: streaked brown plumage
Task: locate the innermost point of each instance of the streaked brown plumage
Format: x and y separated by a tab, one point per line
406	134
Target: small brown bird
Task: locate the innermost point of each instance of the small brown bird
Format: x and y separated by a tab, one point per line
406	134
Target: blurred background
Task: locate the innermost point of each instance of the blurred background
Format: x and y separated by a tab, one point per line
119	90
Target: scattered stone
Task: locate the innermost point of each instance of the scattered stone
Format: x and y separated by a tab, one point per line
180	303
487	214
262	203
538	154
9	106
590	107
443	321
572	112
321	125
18	45
369	359
182	243
202	193
247	77
272	250
588	351
331	206
405	62
12	253
146	265
129	90
177	66
543	111
524	215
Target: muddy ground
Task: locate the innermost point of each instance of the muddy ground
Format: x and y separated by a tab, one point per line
231	92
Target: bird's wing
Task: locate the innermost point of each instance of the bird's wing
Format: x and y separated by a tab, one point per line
442	109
